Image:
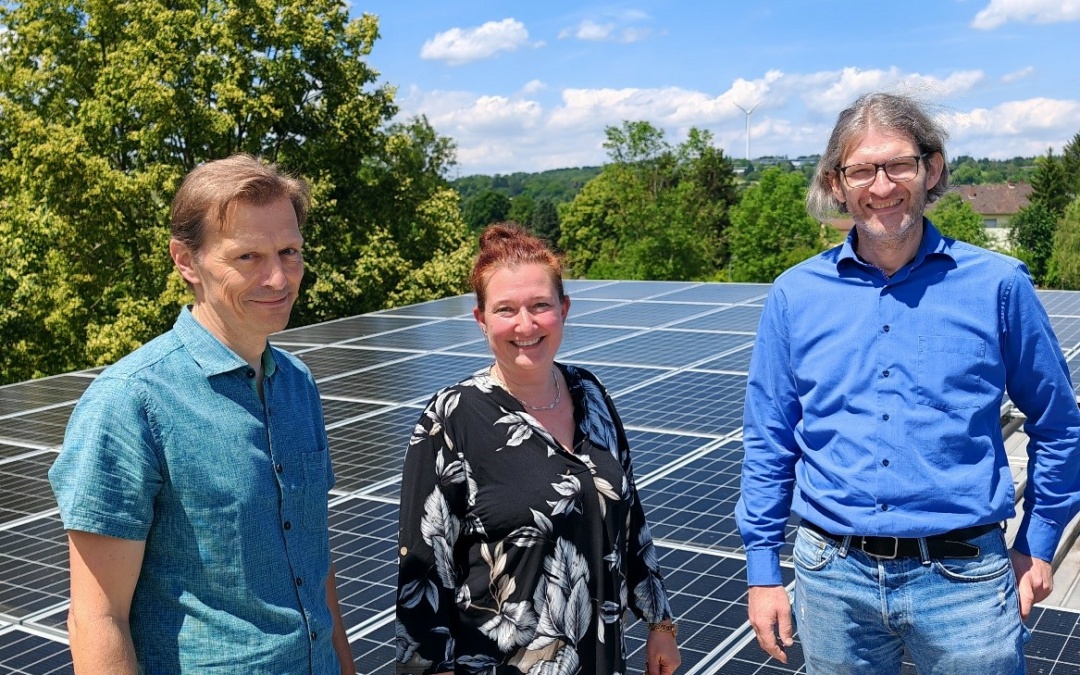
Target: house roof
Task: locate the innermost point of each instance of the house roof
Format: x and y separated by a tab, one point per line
996	199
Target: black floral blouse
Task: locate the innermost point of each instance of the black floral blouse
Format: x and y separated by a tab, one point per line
517	556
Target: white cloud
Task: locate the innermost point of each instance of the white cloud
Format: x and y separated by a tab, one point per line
1018	75
1000	12
533	86
502	134
850	83
1015	128
458	46
592	31
589	30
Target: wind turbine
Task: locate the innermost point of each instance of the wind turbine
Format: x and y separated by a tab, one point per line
747	111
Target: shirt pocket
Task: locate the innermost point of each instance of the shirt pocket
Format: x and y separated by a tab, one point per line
949	372
315	490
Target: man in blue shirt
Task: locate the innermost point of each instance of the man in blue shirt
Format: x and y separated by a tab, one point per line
194	474
873	413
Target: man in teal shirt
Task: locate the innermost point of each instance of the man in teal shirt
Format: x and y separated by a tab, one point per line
194	474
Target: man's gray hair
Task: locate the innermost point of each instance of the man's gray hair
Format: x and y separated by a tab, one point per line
890	112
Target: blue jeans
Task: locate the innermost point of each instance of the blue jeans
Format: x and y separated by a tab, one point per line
856	613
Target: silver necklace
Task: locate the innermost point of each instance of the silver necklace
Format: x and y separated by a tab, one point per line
540	408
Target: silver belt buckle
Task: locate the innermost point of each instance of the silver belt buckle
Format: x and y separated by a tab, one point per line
895	548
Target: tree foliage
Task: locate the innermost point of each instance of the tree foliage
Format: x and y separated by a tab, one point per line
1064	267
1031	231
1050	185
654	212
544	222
486	208
105	106
1070	163
966	170
555	185
955	218
770	228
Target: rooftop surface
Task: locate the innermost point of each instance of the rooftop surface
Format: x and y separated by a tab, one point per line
675	358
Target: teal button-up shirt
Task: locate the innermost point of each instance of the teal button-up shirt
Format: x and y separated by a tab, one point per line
173	445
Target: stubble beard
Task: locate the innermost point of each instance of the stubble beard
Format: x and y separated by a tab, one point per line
890	239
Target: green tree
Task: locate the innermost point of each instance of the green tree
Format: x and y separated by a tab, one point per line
955	218
545	222
1031	231
486	208
654	212
770	228
105	106
1064	266
1049	184
1070	163
521	209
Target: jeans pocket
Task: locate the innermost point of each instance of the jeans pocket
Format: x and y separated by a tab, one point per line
812	551
992	563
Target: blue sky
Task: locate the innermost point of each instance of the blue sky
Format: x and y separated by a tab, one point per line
529	86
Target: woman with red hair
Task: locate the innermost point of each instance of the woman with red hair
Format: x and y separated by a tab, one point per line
522	540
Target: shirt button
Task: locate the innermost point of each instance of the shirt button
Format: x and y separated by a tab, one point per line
314	635
299	581
287	525
278	468
884	507
885	417
884	462
404	551
250	372
885	373
886	328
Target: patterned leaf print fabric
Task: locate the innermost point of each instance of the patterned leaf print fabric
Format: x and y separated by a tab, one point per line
515	555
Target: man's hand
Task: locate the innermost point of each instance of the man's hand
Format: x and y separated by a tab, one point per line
1034	580
661	654
769	612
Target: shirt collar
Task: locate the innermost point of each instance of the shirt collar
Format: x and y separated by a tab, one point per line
933	243
209	353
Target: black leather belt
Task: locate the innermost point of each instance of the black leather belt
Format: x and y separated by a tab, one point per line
953	544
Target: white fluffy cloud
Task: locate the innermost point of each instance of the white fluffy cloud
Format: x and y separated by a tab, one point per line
458	46
794	114
1000	12
1016	128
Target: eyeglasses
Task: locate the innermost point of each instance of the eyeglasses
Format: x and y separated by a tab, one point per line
898	169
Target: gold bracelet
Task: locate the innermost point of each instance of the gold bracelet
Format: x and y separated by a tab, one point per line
665	628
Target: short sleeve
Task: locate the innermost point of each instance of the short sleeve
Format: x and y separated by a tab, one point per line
107	474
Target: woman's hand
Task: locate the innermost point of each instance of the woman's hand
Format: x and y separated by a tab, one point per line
661	654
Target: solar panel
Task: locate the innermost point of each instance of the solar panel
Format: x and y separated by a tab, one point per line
43	393
688	401
674	356
23	653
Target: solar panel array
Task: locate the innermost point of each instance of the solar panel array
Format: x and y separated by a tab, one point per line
675	358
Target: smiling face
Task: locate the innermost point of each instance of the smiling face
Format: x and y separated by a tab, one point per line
246	274
885	211
523	320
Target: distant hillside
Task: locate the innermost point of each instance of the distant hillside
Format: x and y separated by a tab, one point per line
556	185
562	185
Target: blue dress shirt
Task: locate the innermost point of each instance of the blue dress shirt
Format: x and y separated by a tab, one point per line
173	445
873	404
